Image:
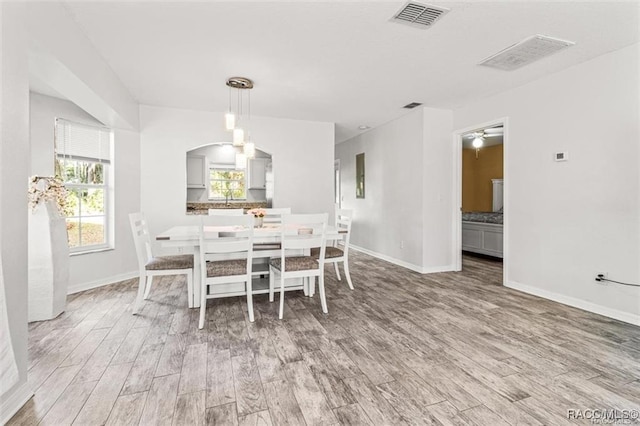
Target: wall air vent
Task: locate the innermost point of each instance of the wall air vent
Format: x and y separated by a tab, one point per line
419	15
527	51
412	105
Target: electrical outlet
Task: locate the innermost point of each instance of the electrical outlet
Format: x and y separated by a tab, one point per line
601	275
402	244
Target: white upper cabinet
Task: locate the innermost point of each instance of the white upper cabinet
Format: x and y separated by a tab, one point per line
196	171
257	173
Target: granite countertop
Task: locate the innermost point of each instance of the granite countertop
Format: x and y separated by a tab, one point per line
202	208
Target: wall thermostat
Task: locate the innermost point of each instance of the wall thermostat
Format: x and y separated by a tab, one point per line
561	156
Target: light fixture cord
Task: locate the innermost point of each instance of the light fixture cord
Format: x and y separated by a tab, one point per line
239	105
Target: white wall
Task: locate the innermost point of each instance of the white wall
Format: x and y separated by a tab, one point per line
437	199
62	57
406	210
14	172
391	211
91	269
570	220
302	153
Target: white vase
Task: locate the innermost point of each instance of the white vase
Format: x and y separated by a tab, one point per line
48	262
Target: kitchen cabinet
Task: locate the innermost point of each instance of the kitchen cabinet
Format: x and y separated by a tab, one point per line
197	171
257	173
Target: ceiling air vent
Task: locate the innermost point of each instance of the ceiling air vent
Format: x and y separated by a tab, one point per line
412	105
419	15
527	51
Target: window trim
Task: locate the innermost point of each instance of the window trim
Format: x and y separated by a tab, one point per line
107	216
108	188
225	167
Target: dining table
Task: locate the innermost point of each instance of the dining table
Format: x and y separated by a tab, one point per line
266	241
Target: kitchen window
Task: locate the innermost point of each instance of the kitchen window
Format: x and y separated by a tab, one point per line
227	183
84	163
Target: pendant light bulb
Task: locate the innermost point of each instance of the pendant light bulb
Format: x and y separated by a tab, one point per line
477	142
230	121
250	149
238	137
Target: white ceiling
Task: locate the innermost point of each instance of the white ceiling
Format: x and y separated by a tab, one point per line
342	62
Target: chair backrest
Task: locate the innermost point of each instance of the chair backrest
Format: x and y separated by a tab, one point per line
226	212
226	237
304	231
275	215
343	225
141	238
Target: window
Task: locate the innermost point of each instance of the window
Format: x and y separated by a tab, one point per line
83	162
227	183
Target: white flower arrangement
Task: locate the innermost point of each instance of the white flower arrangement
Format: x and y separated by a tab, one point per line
47	188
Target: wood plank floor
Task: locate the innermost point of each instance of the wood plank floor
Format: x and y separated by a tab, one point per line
402	348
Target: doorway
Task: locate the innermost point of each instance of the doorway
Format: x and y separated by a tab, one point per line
481	191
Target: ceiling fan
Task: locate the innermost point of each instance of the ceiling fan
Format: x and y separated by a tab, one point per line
478	136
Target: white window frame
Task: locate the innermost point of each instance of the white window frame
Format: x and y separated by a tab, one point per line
225	167
107	186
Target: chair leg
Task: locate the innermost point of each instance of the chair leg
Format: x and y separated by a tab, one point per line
280	315
323	300
140	296
250	300
345	265
190	288
272	283
203	305
148	287
335	265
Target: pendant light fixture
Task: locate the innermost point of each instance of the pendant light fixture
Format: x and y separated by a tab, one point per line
238	136
234	118
236	122
249	149
230	121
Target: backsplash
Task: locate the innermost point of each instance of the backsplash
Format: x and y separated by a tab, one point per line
203	208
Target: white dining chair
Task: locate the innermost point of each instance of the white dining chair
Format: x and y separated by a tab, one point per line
300	232
226	212
152	266
274	215
334	254
226	260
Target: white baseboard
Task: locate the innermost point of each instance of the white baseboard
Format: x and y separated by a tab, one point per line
576	303
101	282
402	263
14	402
